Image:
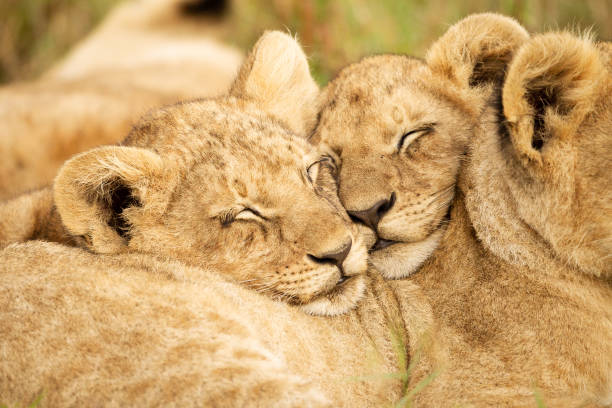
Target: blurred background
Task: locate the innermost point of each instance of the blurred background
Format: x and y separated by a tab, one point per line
35	33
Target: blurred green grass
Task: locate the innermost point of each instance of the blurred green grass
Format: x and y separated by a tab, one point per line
340	31
35	33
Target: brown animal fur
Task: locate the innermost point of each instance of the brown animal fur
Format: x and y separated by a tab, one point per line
488	357
206	182
399	126
133	328
145	54
520	285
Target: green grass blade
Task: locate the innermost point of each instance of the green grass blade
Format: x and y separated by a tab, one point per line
539	399
405	401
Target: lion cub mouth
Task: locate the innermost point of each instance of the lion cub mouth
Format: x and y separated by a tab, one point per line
382	243
342	298
342	282
399	259
396	260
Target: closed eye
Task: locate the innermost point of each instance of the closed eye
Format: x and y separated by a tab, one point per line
409	137
326	162
249	214
244	214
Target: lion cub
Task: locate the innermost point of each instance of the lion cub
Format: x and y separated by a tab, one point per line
399	128
219	183
520	289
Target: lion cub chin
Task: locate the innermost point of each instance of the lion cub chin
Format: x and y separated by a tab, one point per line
226	184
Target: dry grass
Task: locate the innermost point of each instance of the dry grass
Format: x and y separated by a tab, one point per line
35	33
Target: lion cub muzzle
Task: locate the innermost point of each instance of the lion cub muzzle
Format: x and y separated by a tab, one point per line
341	280
335	257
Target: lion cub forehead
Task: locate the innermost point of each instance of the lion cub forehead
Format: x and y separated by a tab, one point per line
232	128
377	99
373	76
378	86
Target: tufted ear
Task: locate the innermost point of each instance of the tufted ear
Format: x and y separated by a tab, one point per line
552	84
95	190
277	77
477	49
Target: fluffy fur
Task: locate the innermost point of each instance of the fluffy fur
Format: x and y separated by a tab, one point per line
206	182
93	97
520	286
399	126
151	314
500	329
85	329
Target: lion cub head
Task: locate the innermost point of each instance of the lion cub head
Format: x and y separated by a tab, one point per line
398	128
227	184
547	155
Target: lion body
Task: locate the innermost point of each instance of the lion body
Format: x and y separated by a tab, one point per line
519	285
506	334
85	329
145	301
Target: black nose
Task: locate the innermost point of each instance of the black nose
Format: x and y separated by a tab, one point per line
335	257
372	215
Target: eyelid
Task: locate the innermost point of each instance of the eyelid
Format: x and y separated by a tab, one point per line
227	217
308	171
425	129
328	157
231	215
252	210
324	158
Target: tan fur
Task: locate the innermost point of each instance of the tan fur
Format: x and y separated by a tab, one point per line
258	86
206	182
520	285
132	330
145	54
568	203
371	105
31	216
495	342
152	315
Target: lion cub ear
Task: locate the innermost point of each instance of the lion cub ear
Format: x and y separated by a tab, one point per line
552	84
477	49
94	191
276	75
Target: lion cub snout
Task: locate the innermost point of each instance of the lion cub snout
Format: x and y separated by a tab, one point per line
340	275
335	257
373	214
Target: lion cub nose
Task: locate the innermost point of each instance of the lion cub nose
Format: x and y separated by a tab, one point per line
371	217
336	256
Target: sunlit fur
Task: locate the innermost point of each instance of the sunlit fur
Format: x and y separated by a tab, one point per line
127	323
498	332
519	286
136	330
221	183
371	104
562	188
